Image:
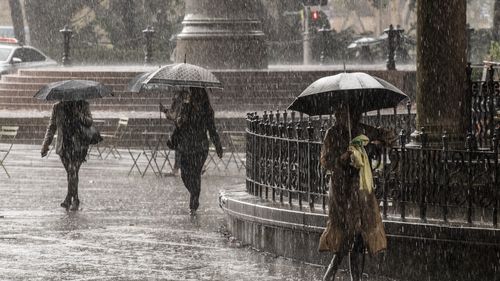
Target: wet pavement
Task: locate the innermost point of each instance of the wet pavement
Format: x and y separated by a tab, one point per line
128	228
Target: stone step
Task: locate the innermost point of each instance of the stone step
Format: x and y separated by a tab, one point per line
76	74
46	79
32	130
37	86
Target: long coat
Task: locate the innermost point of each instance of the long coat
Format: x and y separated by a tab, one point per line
351	211
66	119
192	122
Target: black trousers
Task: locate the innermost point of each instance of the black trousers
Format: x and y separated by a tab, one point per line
191	165
72	167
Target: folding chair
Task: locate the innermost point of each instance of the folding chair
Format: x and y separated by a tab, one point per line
236	142
211	157
7	136
135	154
111	141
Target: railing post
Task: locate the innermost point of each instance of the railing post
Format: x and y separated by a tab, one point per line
289	156
408	125
272	160
469	148
402	174
496	181
446	174
281	129
423	176
298	129
310	136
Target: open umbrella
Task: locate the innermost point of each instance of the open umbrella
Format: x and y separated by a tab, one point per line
137	83
358	89
364	41
73	90
184	75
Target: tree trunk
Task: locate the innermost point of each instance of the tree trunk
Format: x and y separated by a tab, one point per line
442	104
16	14
496	20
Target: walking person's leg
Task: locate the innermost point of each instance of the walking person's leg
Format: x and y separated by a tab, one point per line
333	266
355	257
191	166
67	201
75	179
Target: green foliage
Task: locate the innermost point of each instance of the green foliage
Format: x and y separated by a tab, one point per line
494	52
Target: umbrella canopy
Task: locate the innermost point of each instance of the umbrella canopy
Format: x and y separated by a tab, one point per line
137	83
183	75
358	90
365	41
73	90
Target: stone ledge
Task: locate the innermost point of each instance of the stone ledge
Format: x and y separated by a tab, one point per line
432	251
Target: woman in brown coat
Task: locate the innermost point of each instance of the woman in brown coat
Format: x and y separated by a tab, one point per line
193	117
354	220
66	120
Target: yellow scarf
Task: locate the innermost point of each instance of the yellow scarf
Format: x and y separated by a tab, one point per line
359	159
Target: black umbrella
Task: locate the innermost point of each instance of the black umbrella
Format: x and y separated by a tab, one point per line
137	83
73	90
357	90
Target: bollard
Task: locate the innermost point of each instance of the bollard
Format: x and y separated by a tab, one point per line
391	47
67	35
148	47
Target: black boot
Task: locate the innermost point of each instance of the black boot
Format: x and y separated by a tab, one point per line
332	268
66	203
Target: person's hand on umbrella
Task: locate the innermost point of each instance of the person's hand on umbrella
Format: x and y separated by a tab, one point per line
346	155
220	152
163	108
44	151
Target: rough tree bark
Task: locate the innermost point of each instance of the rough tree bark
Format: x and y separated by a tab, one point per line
16	14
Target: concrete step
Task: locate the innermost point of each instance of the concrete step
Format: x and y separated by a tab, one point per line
37	86
46	79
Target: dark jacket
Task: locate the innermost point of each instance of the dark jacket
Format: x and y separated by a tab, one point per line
351	211
193	118
65	121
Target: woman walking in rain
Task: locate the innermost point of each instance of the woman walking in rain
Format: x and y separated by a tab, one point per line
193	117
354	220
67	119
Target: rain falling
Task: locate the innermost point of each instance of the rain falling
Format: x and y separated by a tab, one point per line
249	140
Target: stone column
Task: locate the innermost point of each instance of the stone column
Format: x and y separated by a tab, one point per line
222	34
441	61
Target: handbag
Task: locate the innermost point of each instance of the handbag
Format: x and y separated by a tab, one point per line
91	135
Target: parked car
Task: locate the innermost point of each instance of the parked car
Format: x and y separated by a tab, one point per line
8	31
14	57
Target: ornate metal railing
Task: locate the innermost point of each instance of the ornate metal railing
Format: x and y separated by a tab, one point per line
485	106
424	183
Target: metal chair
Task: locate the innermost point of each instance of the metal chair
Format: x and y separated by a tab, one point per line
8	135
236	142
111	141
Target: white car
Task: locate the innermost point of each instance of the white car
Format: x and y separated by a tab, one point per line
14	57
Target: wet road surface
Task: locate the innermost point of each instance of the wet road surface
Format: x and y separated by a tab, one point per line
128	228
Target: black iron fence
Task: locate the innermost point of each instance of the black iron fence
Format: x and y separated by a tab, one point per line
421	183
485	105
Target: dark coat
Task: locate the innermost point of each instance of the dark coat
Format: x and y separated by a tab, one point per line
351	211
65	121
193	119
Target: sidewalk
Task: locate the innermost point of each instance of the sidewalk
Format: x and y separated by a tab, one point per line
128	228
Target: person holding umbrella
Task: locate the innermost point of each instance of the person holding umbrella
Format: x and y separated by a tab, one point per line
71	119
193	117
354	222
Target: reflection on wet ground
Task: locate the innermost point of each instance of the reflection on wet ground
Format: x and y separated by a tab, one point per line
128	228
